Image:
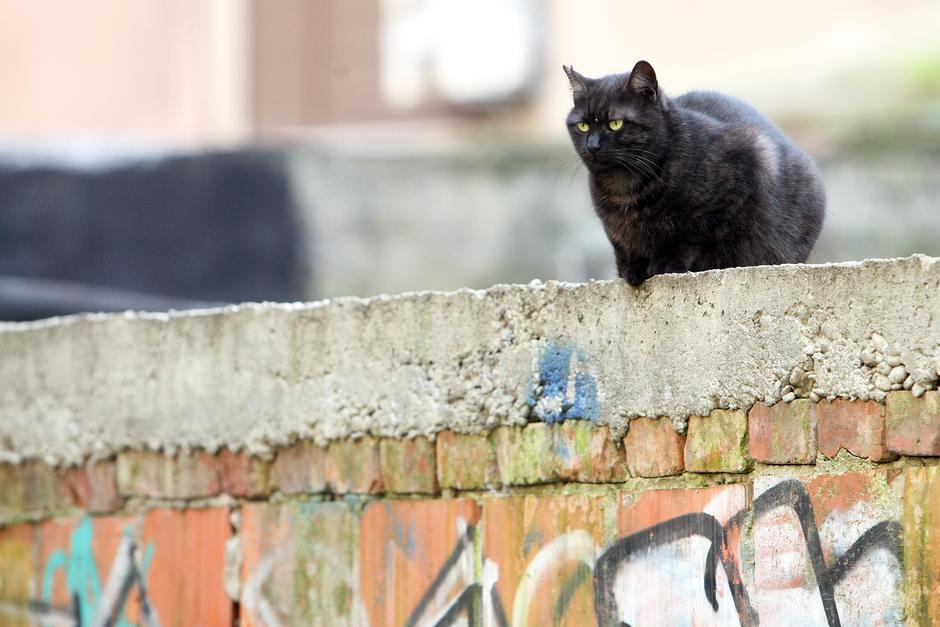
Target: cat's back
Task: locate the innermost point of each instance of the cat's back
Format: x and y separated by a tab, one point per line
725	109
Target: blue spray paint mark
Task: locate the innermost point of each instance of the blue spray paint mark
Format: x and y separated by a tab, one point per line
584	406
549	394
81	573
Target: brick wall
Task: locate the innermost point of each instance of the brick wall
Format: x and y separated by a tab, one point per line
823	513
751	446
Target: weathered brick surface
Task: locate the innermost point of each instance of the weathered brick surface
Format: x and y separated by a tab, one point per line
545	548
300	564
408	465
586	453
152	474
243	475
783	433
922	545
11	494
353	466
660	541
854	516
654	448
16	565
181	555
44	488
913	424
300	469
856	426
717	442
186	582
525	454
466	461
94	487
405	548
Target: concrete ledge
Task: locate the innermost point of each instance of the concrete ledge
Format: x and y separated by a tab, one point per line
257	377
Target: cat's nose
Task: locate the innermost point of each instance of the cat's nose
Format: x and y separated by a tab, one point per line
593	144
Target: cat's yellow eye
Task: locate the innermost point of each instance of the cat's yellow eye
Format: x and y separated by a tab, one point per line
615	125
583	127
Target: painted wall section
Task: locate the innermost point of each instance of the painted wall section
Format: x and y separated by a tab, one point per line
838	540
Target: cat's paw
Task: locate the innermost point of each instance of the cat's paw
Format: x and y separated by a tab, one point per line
634	277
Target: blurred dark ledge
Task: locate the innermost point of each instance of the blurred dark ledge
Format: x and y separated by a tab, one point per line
177	231
24	299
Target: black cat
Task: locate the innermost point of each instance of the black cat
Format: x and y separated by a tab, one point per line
698	182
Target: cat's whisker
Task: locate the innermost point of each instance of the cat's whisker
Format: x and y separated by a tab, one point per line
649	167
645	168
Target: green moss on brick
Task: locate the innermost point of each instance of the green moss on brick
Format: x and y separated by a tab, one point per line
408	465
717	442
466	461
921	528
525	454
913	424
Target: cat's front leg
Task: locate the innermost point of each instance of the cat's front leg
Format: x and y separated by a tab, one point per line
634	270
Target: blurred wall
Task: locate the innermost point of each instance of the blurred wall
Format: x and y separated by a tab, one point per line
172	69
221	70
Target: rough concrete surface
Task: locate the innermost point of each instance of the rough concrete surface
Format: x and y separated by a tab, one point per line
257	376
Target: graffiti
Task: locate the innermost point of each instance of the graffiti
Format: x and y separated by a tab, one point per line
563	390
478	602
787	494
92	604
469	603
253	592
700	524
619	588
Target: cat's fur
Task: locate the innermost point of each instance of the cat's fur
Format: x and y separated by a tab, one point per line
698	182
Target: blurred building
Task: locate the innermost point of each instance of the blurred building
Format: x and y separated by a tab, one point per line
222	70
422	140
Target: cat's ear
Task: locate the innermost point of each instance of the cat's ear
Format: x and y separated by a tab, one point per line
643	80
578	82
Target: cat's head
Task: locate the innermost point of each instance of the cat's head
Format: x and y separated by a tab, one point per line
618	121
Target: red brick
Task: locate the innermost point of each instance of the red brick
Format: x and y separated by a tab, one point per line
353	466
525	455
185	581
717	442
585	452
152	474
404	546
562	536
243	475
94	487
654	448
300	469
913	424
300	564
409	465
637	513
784	433
856	426
466	461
